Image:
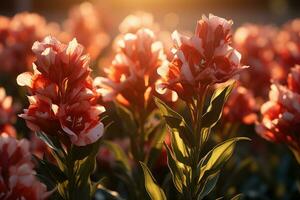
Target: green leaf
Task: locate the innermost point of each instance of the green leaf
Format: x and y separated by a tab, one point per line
85	167
205	132
81	152
218	156
238	197
108	194
119	154
51	141
177	171
214	111
49	173
127	119
209	185
154	191
156	144
296	154
179	148
176	122
97	184
152	123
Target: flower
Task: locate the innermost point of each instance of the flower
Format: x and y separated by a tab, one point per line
132	23
255	42
240	107
132	75
204	59
17	35
7	114
62	98
86	24
281	114
293	80
17	177
287	46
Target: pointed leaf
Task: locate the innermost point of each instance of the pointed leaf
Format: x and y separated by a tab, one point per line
51	141
218	156
48	172
176	122
127	119
205	132
214	111
238	197
156	144
177	171
180	150
154	191
119	154
209	185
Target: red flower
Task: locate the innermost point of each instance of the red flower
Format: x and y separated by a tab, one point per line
205	58
6	108
132	23
240	107
62	97
281	114
293	80
255	42
17	177
16	38
86	24
7	114
132	75
287	46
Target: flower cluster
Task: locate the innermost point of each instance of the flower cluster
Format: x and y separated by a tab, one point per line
132	75
281	114
63	101
16	38
204	59
17	177
270	52
86	24
240	107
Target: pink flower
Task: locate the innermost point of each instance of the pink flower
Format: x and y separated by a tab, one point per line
17	177
240	107
205	58
132	75
62	98
281	114
86	24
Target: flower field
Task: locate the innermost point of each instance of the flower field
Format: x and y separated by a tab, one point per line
89	111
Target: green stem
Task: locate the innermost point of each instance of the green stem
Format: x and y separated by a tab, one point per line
70	174
197	113
137	142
